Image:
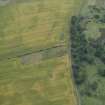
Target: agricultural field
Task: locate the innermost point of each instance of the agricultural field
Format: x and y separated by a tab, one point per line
34	61
30	26
45	83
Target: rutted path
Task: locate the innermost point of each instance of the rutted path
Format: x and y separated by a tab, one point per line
60	47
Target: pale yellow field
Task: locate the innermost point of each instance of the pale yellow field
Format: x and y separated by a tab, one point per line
46	83
35	24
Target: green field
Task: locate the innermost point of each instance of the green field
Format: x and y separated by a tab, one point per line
34	63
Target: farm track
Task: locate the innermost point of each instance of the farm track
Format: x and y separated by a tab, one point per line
7	57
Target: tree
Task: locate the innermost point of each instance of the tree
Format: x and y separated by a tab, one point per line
101	72
90	88
80	77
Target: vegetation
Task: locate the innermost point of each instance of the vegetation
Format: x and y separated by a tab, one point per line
79	48
88	54
101	72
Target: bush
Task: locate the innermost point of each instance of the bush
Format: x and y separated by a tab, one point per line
101	72
80	77
90	88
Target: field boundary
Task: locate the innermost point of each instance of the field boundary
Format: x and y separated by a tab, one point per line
70	58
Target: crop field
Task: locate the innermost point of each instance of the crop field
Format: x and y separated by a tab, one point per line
33	25
34	63
45	83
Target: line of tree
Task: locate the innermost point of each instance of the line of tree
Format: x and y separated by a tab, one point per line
84	51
